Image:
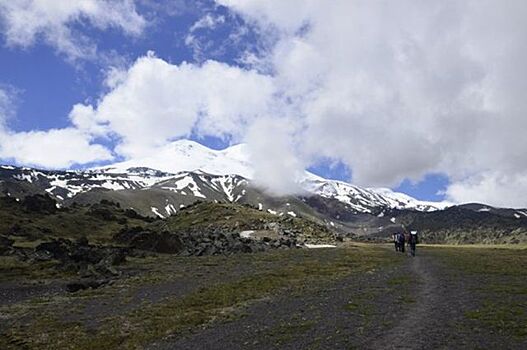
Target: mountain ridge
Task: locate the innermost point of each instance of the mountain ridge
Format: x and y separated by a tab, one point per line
343	208
187	155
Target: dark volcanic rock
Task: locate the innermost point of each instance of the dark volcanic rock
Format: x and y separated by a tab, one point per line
164	242
95	264
102	212
81	257
39	203
5	244
132	214
201	242
138	238
56	249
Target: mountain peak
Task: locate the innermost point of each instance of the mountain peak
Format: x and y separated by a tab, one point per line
188	155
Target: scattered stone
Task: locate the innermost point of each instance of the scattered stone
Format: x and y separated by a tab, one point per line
89	261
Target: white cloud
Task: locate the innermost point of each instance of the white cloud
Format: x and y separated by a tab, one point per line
399	89
55	148
197	38
277	167
209	21
26	21
155	101
494	188
6	105
148	105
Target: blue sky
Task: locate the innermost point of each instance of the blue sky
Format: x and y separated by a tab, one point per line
341	89
47	85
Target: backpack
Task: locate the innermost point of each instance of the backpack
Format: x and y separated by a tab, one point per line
413	237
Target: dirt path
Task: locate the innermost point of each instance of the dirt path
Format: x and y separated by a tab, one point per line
438	318
421	317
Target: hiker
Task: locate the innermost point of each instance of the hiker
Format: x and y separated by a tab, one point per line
395	241
400	240
413	240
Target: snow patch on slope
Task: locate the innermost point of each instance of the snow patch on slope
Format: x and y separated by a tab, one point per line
156	211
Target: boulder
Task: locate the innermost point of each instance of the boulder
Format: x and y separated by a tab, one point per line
56	249
164	242
5	244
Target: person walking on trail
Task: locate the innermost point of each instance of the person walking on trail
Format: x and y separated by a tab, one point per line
396	241
401	240
412	242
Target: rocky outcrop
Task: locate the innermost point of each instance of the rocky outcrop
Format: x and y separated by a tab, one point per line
145	239
201	242
94	265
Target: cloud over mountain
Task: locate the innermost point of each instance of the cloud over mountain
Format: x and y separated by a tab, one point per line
394	90
400	89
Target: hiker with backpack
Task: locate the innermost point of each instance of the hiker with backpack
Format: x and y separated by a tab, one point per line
412	242
401	240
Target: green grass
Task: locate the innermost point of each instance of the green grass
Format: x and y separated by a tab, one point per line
11	268
509	319
501	285
484	261
272	273
28	229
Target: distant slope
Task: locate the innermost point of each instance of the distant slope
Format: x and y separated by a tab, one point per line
186	172
37	217
457	225
333	204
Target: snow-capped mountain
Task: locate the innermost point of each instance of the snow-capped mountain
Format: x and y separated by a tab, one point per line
366	199
67	184
186	172
187	168
185	155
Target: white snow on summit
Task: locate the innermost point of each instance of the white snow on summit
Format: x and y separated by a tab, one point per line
186	155
398	199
